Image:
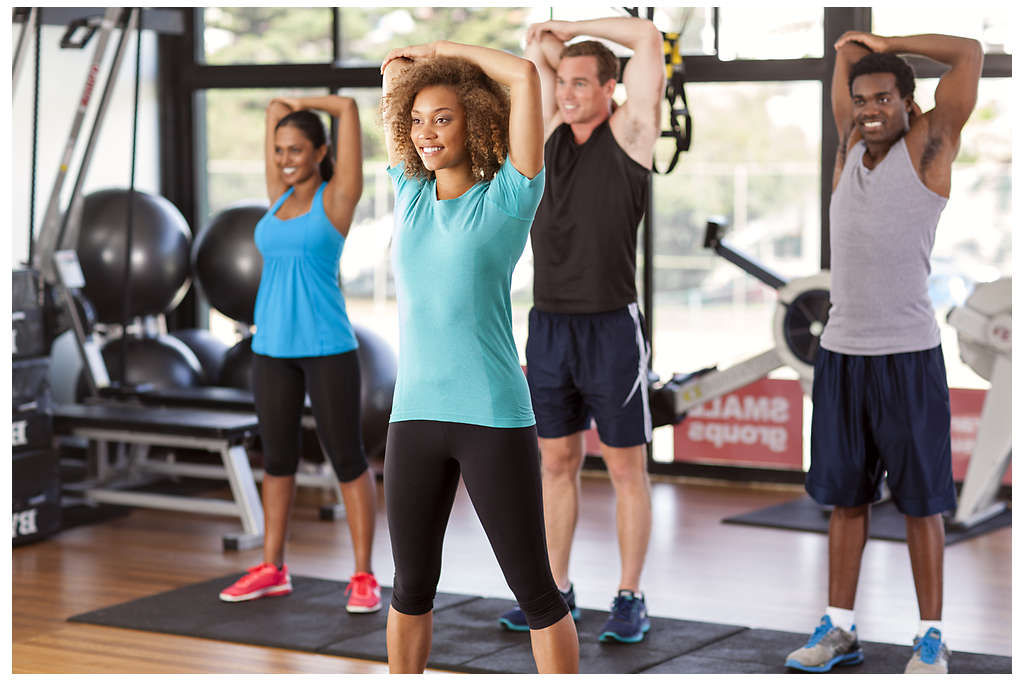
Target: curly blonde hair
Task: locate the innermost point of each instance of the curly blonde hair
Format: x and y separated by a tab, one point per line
485	101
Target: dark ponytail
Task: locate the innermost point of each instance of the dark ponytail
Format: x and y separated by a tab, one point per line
327	166
313	128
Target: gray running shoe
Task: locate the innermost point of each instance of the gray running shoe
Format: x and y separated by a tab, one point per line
931	655
828	647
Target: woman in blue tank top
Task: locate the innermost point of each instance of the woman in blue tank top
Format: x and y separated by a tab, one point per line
465	152
304	342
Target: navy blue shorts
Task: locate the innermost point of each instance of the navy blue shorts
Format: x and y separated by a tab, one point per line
876	414
590	365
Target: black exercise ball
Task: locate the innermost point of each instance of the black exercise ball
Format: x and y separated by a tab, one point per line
159	361
226	263
159	260
236	371
208	349
378	369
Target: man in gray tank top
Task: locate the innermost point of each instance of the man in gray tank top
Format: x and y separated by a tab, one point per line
881	402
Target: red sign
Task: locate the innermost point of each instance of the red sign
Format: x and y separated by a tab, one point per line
965	408
760	424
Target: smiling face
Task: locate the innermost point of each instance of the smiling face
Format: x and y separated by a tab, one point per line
581	97
880	114
296	158
438	128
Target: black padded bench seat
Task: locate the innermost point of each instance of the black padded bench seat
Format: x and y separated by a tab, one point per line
141	427
199	423
205	397
223	401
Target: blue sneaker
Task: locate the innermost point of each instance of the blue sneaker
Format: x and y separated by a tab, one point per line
931	655
515	619
828	647
628	621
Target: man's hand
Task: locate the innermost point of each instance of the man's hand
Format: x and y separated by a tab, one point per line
562	30
868	40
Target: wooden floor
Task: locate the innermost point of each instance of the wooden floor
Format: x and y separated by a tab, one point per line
697	568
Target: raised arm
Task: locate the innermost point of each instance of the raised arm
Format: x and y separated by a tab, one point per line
526	125
276	110
644	75
346	185
957	92
637	123
848	52
544	49
392	70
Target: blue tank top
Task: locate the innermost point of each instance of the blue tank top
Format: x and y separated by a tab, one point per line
300	311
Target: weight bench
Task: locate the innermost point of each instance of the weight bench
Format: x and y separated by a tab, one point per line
227	399
143	426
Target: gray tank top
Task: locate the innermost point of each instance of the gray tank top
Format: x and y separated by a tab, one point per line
882	231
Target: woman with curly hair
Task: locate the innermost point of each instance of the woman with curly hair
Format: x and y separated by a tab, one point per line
465	152
304	342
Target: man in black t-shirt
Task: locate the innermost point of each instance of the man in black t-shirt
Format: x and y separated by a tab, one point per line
587	352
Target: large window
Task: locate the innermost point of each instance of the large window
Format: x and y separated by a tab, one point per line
267	35
991	24
754	162
368	33
757	157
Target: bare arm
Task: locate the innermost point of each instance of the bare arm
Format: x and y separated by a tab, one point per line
346	185
637	123
848	52
644	75
957	92
392	70
526	125
276	110
543	49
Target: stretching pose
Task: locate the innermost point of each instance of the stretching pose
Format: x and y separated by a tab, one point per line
467	162
881	402
304	341
587	350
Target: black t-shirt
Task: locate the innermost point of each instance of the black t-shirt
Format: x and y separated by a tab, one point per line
584	231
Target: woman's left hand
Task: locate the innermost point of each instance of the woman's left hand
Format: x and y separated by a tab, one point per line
413	53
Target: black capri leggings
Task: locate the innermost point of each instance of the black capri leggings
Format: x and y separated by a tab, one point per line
501	468
279	386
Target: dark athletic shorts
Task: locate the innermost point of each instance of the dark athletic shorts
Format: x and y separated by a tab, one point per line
588	365
876	414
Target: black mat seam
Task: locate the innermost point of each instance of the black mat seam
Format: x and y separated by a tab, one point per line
322	649
742	629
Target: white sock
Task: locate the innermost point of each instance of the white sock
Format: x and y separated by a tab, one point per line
925	624
841	618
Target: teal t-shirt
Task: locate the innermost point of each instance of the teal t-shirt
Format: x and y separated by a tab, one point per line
453	261
299	308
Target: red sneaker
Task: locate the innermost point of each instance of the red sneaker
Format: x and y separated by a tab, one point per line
363	594
264	580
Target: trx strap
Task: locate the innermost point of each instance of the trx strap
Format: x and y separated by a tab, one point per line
675	82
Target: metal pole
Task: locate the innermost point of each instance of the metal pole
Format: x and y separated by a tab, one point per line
35	144
48	234
126	310
71	223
